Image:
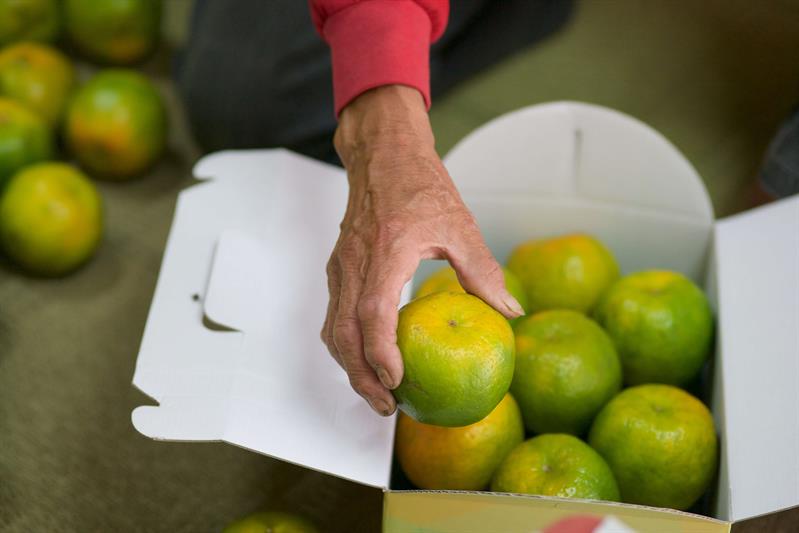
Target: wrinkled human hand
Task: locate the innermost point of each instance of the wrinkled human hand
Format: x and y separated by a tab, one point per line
403	207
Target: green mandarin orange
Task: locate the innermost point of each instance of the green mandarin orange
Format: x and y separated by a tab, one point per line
556	465
567	272
446	280
116	124
660	443
38	76
271	522
662	326
29	20
24	138
458	354
115	32
50	219
567	369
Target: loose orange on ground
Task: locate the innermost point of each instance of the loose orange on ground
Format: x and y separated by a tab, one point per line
24	138
116	124
50	219
115	32
38	76
29	20
271	522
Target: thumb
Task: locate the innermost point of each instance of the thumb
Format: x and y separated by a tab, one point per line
481	275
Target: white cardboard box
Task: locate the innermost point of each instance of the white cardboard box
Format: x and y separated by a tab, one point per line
231	349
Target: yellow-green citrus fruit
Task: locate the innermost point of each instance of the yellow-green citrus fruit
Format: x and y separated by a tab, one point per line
458	354
114	32
567	272
116	124
38	76
24	138
446	280
566	370
458	458
660	443
50	219
661	324
271	522
556	465
28	20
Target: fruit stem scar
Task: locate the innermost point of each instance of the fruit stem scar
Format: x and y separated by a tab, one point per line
452	323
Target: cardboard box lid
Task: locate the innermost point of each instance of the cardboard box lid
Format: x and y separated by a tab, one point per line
757	278
571	167
231	348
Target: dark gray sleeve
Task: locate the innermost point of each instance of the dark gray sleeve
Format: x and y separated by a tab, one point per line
780	172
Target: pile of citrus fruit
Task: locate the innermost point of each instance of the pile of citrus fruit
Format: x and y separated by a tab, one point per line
112	125
583	397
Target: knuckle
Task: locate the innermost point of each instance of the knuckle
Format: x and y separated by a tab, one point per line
372	306
344	335
361	382
494	272
358	384
340	340
325	335
330	267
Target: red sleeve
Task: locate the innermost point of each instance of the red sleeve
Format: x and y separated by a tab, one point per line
379	42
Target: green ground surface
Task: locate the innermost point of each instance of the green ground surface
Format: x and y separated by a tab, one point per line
715	77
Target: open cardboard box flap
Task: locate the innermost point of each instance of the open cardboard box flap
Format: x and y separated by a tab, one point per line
756	401
231	349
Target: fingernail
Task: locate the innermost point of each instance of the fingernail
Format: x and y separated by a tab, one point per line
381	407
385	378
512	305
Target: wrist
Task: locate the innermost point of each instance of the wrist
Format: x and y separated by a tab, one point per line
391	117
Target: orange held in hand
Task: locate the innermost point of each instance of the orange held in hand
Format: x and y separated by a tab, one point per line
458	354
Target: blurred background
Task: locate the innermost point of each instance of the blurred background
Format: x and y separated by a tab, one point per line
715	77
